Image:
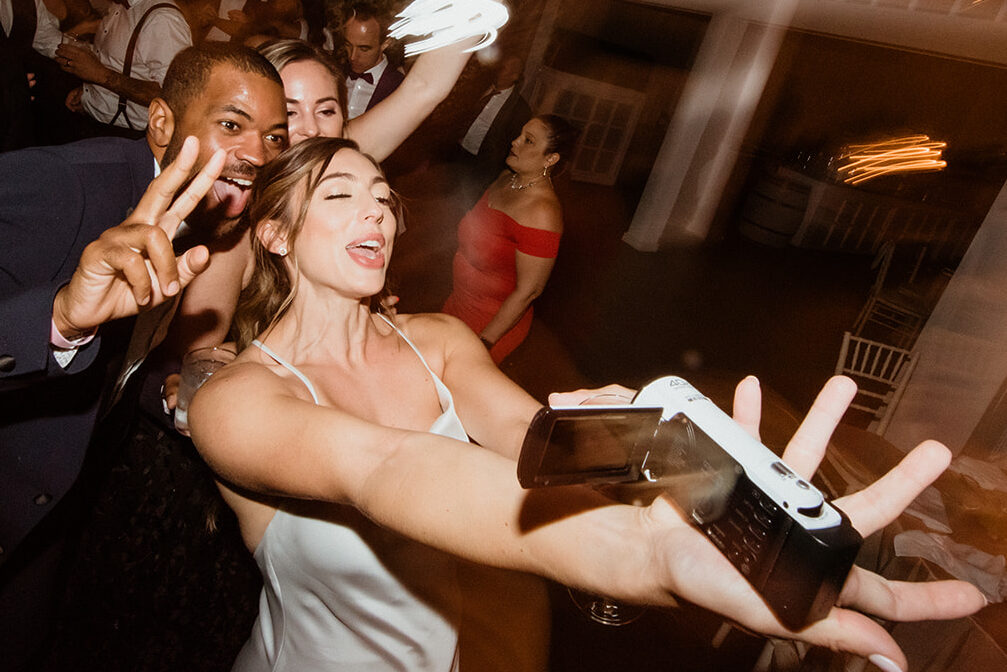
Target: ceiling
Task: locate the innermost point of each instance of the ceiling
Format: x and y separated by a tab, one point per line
974	30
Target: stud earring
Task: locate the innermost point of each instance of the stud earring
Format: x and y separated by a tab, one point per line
283	251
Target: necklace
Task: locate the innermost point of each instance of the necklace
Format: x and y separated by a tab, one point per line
521	187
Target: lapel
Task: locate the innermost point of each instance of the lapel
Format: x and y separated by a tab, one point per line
141	166
384	86
150	326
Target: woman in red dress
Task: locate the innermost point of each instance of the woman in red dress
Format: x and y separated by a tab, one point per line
507	243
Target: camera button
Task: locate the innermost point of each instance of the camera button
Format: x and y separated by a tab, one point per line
753	544
782	469
763	519
769	506
717	536
811	511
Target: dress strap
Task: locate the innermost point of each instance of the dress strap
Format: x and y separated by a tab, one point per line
289	367
448	424
411	345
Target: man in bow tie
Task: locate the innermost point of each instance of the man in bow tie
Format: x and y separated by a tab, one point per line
370	78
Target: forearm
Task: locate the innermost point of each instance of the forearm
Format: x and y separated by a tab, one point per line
434	74
383	128
207	307
138	91
511	311
469	503
31	274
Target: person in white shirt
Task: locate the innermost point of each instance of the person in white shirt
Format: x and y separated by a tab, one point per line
369	77
113	93
501	113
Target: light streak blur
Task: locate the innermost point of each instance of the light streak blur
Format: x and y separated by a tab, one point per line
909	154
446	22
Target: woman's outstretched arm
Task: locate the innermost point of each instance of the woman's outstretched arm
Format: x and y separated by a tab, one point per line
257	434
380	130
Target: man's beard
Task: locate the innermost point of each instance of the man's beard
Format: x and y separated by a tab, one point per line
172	151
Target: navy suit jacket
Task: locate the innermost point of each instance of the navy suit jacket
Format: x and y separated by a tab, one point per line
53	202
390	80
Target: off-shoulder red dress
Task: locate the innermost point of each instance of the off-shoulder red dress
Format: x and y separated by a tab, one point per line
485	270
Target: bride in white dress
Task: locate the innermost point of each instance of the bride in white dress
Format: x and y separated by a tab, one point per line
341	446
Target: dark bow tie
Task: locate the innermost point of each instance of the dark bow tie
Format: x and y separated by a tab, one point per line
366	76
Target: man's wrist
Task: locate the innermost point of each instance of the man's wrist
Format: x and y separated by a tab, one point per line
59	340
63	331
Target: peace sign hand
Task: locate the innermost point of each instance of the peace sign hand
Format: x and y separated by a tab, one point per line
132	266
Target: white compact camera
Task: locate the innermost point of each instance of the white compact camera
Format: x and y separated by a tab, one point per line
794	547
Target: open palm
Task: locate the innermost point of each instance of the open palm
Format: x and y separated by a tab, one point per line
714	583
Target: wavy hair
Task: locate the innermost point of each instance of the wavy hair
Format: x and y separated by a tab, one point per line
280	197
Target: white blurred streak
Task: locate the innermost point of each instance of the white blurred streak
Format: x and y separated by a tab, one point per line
543	37
961	350
709	123
446	22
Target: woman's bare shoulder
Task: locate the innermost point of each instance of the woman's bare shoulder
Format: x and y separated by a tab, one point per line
435	332
430	325
246	376
542	211
239	373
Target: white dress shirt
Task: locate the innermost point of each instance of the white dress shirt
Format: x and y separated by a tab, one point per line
47	35
360	92
473	139
164	34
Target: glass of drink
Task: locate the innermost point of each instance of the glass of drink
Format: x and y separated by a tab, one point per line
76	41
197	366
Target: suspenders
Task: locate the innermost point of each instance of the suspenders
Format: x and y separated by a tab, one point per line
127	65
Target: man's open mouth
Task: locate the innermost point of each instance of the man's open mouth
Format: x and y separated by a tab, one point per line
232	194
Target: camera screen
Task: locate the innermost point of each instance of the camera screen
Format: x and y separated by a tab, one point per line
602	442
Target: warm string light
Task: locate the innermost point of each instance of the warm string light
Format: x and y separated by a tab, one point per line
910	154
446	22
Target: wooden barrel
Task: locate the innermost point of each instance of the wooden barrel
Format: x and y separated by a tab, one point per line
773	210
